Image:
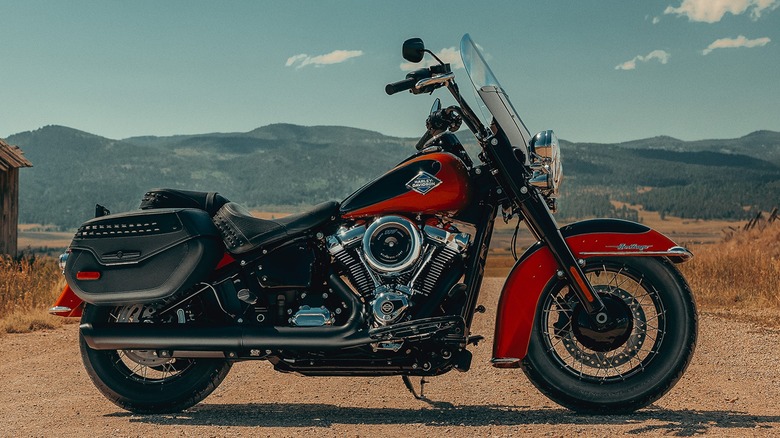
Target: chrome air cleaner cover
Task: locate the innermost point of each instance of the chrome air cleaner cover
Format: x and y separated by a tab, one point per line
392	244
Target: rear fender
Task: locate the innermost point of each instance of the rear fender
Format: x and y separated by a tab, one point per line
68	304
537	267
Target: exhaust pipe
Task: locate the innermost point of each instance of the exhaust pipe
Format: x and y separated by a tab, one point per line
181	337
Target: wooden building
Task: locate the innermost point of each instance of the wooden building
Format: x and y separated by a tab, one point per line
11	159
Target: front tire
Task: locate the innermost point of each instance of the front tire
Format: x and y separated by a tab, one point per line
583	371
138	380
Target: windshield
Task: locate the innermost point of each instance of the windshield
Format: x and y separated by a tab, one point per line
475	64
493	95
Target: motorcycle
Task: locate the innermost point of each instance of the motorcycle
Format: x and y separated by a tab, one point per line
386	282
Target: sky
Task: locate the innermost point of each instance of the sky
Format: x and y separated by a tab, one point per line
592	70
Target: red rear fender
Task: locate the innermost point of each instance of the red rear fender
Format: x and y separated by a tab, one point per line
68	304
525	284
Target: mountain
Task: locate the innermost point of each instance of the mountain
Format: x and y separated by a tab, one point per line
760	144
291	165
274	165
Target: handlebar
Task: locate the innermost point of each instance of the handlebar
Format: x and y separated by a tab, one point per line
427	80
422	78
399	86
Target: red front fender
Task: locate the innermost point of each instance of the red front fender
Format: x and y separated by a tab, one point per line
525	284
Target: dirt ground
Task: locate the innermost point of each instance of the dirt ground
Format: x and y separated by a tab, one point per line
732	388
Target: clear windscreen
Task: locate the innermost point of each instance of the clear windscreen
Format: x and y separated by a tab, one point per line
477	68
492	95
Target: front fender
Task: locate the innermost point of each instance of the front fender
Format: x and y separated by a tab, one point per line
528	278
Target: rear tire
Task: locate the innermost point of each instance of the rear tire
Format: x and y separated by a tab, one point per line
640	366
141	382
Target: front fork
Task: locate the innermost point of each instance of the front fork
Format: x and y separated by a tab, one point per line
542	224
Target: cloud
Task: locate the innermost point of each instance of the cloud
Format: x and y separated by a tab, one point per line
334	57
293	59
661	56
711	11
449	55
732	43
656	20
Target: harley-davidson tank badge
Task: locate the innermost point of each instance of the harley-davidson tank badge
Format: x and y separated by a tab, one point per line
423	183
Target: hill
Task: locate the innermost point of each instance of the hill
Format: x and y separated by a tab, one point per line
277	164
285	164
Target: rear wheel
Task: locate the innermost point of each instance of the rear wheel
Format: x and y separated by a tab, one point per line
632	362
140	381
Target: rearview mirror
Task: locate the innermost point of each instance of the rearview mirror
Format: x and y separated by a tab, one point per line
413	50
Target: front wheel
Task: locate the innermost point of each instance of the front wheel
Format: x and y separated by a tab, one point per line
140	381
636	359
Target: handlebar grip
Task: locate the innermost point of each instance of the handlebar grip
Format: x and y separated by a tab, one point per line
399	86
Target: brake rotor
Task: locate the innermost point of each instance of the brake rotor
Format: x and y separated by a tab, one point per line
610	346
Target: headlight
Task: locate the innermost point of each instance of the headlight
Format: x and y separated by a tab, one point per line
545	158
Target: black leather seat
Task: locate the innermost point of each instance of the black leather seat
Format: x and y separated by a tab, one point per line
243	232
211	202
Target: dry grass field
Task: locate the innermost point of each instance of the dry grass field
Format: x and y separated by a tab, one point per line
740	276
27	288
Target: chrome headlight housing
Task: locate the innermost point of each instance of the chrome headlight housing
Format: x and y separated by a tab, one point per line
545	159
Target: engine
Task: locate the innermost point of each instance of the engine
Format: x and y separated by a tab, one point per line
394	263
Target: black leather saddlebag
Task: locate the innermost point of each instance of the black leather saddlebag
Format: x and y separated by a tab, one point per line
142	256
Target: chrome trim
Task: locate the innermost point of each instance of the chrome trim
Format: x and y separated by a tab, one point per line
349	237
345	238
455	241
390	304
312	317
388	345
438	79
386	222
505	362
679	251
333	244
676	252
60	309
63	259
545	161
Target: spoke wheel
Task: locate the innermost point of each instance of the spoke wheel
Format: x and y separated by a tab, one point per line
633	360
621	352
140	381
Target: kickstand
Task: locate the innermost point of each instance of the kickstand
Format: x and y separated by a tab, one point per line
410	387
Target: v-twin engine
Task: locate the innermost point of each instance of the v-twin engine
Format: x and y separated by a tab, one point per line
394	262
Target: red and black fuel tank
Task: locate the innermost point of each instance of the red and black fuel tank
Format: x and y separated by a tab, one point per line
426	184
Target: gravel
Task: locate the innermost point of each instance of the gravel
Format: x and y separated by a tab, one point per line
732	388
